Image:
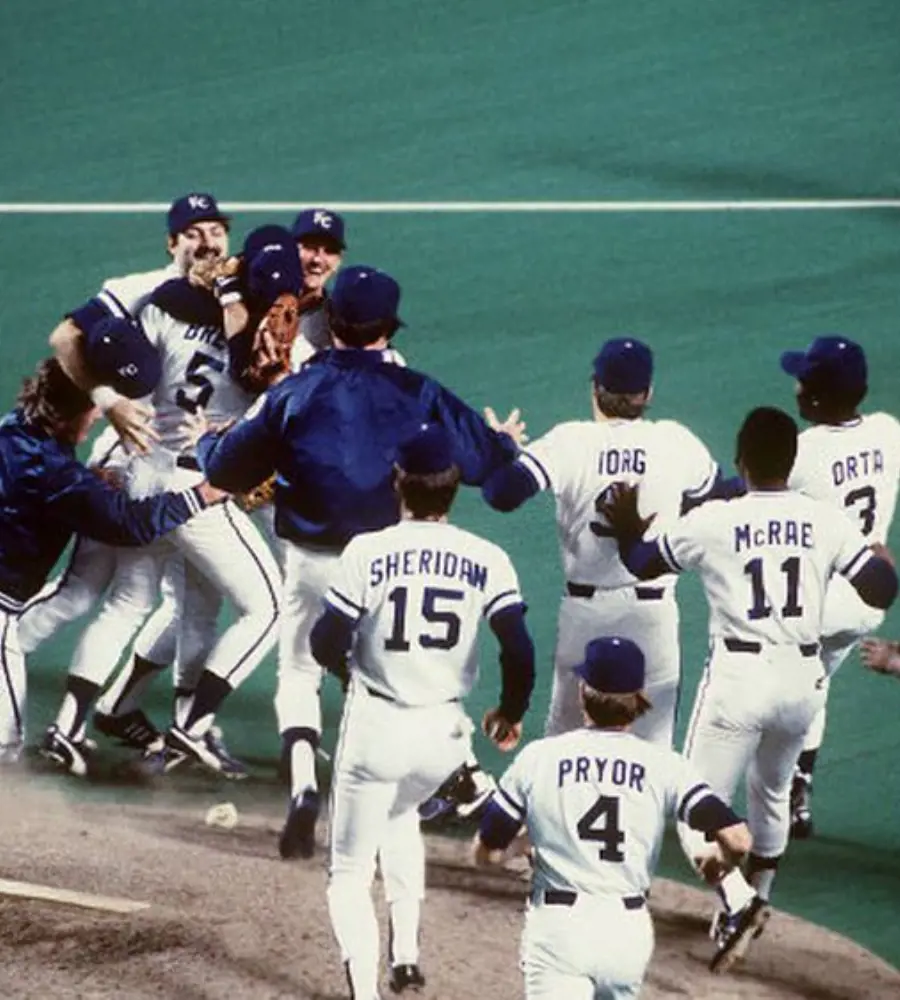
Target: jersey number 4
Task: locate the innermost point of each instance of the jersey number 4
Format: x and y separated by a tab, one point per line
434	611
201	390
760	608
608	833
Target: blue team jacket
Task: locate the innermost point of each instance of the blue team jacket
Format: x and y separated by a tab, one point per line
46	495
331	433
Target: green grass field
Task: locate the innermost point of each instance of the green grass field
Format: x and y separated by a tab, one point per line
532	101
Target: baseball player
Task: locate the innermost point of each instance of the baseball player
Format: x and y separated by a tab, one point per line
320	243
47	495
230	559
404	604
197	230
578	461
765	560
851	461
331	432
594	801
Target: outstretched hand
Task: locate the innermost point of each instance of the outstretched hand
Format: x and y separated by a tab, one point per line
133	423
505	735
513	425
881	656
619	505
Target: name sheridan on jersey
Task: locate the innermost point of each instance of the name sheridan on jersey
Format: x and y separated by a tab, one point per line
427	562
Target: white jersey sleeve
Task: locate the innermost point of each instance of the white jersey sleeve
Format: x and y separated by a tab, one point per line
126	296
683	545
696	468
553	459
347	593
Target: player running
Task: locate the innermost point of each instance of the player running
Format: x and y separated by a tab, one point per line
765	560
851	461
404	606
594	802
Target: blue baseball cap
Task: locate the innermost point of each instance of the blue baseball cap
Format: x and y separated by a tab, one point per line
428	451
834	361
272	266
192	208
612	665
120	355
624	365
364	295
321	224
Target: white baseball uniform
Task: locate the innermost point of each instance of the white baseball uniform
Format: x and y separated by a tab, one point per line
578	461
765	561
595	803
856	467
416	591
223	552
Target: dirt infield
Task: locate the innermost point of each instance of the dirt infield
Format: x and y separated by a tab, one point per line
229	919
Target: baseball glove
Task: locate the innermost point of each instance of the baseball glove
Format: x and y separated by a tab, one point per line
258	497
270	357
207	272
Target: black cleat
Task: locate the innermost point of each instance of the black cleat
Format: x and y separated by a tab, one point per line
406	977
298	837
801	813
133	729
736	933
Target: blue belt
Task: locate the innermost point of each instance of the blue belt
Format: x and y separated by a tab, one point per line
568	897
588	590
745	646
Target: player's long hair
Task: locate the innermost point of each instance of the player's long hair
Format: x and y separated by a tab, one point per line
50	399
620	405
429	495
608	711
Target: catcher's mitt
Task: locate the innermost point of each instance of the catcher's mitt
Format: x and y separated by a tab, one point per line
270	359
258	497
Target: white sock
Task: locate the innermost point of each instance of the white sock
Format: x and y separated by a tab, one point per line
735	891
405	931
303	771
762	881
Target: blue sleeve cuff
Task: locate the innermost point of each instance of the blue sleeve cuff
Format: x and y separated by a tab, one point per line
497	829
330	641
509	487
876	583
643	559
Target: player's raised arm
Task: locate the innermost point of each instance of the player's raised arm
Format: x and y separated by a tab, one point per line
244	455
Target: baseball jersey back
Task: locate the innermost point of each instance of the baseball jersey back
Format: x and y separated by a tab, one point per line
580	460
418	590
595	804
765	560
854	466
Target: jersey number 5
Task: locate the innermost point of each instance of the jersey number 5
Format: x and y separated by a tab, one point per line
609	833
202	390
446	636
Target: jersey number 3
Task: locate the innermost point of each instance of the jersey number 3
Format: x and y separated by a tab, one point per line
608	833
863	499
434	611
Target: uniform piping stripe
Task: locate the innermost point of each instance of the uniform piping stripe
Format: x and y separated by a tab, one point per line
533	466
61	581
271	590
694	795
705	486
192	501
113	304
860	556
339	750
343	604
491	605
17	711
508	804
666	550
106	457
698	706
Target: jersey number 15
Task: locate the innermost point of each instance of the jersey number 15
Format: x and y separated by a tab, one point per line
434	611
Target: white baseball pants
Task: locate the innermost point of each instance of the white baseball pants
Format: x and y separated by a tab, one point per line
652	624
307	576
72	594
389	759
593	950
845	620
12	689
750	718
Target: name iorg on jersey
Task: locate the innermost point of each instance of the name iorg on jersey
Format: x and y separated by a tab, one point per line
617	461
427	562
787	532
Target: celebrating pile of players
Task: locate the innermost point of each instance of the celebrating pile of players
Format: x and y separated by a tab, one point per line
269	452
